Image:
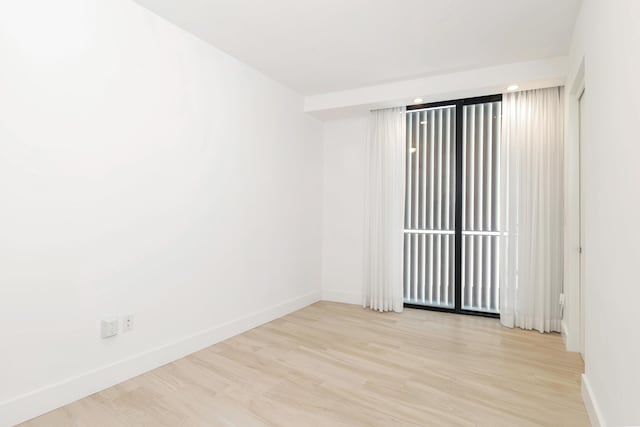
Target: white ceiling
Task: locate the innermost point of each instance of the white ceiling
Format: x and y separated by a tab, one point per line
317	46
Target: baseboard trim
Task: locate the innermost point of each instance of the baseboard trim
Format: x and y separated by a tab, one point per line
569	339
48	398
344	297
590	403
564	332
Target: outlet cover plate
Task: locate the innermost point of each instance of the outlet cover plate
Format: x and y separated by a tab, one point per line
108	328
127	323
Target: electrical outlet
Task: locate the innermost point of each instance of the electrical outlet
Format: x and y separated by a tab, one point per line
109	327
127	323
562	299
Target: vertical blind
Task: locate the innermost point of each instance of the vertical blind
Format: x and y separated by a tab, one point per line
429	244
430	207
480	206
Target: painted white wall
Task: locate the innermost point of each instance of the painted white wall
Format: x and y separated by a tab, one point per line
343	203
141	171
343	142
575	83
611	152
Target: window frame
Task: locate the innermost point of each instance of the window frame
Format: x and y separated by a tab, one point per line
459	104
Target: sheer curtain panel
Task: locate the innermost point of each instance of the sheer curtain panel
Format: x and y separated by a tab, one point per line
384	210
532	209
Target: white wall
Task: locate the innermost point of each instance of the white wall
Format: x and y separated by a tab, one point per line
343	200
345	132
571	320
611	152
343	154
141	171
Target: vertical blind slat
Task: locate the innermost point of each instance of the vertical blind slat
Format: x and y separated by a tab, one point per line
423	171
407	206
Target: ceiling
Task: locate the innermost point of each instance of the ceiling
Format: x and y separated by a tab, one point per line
318	46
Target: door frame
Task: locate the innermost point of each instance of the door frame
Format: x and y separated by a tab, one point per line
581	217
574	288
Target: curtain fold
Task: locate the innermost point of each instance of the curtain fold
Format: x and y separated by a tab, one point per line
384	210
532	209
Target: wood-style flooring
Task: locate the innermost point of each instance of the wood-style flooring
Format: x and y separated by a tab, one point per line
333	364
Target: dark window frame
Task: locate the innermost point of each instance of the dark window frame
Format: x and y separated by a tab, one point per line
459	104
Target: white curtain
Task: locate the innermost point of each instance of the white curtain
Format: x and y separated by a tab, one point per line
384	210
532	209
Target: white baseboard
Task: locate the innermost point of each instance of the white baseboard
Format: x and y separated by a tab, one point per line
565	334
590	403
45	399
569	339
345	297
566	337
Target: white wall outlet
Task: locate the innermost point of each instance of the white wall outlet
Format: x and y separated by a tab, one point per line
109	327
127	323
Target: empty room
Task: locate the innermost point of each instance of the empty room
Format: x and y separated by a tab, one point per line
302	213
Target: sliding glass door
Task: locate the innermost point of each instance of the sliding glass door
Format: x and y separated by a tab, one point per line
452	218
429	245
480	206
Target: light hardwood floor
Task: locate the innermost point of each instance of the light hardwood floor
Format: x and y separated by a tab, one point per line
335	364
